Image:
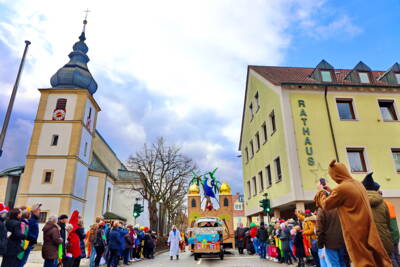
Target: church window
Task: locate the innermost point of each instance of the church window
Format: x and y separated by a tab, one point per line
54	140
43	217
273	123
47	176
90	113
193	203
226	202
108	199
61	103
85	149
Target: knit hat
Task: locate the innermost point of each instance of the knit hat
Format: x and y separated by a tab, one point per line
4	208
62	217
369	183
36	206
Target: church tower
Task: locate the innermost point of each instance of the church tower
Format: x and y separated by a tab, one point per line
56	169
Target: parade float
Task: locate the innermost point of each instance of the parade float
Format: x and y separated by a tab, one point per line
210	200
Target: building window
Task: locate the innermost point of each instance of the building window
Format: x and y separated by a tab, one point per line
251	149
273	124
226	202
61	103
193	203
43	217
108	199
264	129
238	206
326	76
357	159
396	158
364	77
256	98
268	174
258	141
346	109
254	186
260	177
251	111
54	140
278	169
397	77
388	110
90	113
85	149
249	189
246	151
47	176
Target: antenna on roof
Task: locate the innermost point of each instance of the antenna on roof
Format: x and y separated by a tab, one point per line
85	20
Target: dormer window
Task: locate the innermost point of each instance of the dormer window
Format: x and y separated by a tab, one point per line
326	76
251	111
397	77
364	77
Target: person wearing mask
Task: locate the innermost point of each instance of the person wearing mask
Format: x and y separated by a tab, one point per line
13	225
3	230
380	214
173	242
262	236
359	230
51	241
330	238
62	221
99	243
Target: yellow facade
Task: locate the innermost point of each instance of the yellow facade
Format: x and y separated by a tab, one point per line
304	142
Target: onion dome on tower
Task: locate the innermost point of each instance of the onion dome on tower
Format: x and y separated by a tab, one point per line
225	189
75	74
194	190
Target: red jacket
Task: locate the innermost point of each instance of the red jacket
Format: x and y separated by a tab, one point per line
73	238
253	232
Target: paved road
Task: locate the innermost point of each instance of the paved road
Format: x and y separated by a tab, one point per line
185	260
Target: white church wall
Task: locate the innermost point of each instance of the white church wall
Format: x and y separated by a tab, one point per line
91	200
108	185
63	130
81	175
89	109
69	108
58	167
85	146
76	205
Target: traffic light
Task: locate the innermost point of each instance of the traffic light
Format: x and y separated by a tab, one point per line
137	209
265	204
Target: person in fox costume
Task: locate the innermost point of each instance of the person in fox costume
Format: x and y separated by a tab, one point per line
73	246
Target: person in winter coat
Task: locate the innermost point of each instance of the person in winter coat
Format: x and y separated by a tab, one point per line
62	221
253	235
284	236
149	245
99	243
394	230
299	245
262	236
51	241
13	225
114	245
90	235
380	214
173	242
74	244
33	232
25	216
239	239
81	234
330	237
128	247
359	230
3	229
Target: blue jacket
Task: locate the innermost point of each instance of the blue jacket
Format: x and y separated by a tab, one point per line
122	233
114	239
33	232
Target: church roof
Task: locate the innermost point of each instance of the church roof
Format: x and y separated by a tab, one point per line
17	171
75	74
113	216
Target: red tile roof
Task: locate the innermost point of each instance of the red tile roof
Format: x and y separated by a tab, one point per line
282	75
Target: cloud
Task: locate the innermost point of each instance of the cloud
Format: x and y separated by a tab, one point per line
165	68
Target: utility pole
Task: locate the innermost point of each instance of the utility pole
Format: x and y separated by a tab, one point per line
12	99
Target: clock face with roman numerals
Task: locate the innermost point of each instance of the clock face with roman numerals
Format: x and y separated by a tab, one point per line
58	115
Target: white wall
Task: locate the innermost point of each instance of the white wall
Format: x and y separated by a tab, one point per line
58	165
91	200
76	205
81	175
85	138
51	105
63	130
89	106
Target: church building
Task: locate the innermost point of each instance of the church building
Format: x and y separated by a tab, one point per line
69	165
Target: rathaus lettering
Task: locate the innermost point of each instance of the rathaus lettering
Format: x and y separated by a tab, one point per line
306	133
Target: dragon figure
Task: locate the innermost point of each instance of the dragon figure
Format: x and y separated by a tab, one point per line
210	186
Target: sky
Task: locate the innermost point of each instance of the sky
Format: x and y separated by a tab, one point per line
177	69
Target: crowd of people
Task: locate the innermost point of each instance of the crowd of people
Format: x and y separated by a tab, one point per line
351	224
65	241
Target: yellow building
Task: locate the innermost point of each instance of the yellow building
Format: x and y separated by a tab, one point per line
296	120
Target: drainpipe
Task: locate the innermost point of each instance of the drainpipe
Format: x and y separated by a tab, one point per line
330	123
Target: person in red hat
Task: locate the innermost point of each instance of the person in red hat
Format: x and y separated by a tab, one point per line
73	239
3	230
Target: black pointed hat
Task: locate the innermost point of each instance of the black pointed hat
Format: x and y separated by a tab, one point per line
369	183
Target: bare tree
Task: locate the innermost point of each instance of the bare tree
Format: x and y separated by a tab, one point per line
166	172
